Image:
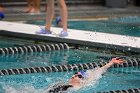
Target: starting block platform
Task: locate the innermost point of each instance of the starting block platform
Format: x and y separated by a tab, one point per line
76	37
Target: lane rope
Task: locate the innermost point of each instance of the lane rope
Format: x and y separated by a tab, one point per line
33	48
133	90
68	67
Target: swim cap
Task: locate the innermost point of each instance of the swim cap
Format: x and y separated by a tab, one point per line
84	74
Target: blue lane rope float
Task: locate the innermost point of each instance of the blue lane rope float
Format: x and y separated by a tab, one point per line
62	68
33	48
133	90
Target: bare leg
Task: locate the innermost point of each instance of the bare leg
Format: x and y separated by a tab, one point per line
29	7
64	14
1	9
36	6
50	13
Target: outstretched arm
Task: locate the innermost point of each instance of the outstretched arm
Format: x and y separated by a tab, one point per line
96	74
112	62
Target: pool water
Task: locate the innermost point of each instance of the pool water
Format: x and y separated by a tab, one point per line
114	78
11	42
123	26
36	83
50	58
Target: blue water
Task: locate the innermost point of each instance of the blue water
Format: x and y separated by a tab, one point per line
123	26
114	79
38	83
11	42
50	58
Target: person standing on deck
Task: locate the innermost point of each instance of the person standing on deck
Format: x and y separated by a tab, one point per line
2	15
33	7
49	18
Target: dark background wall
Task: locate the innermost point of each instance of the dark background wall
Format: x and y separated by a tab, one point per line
74	1
71	2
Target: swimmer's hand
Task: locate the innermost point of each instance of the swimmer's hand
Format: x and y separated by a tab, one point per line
117	60
112	62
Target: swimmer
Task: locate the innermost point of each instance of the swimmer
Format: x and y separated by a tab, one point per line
82	78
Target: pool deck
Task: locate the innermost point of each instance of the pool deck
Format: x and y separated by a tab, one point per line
76	37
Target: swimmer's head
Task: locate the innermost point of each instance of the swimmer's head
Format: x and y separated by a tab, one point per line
76	78
82	73
78	74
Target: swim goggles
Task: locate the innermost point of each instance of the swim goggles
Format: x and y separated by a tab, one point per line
80	74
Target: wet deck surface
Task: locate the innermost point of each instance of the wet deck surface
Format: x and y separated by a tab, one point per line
85	38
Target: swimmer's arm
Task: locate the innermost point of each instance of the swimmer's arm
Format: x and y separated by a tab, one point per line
103	69
112	62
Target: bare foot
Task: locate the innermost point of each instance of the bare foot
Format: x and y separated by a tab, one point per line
27	10
34	11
